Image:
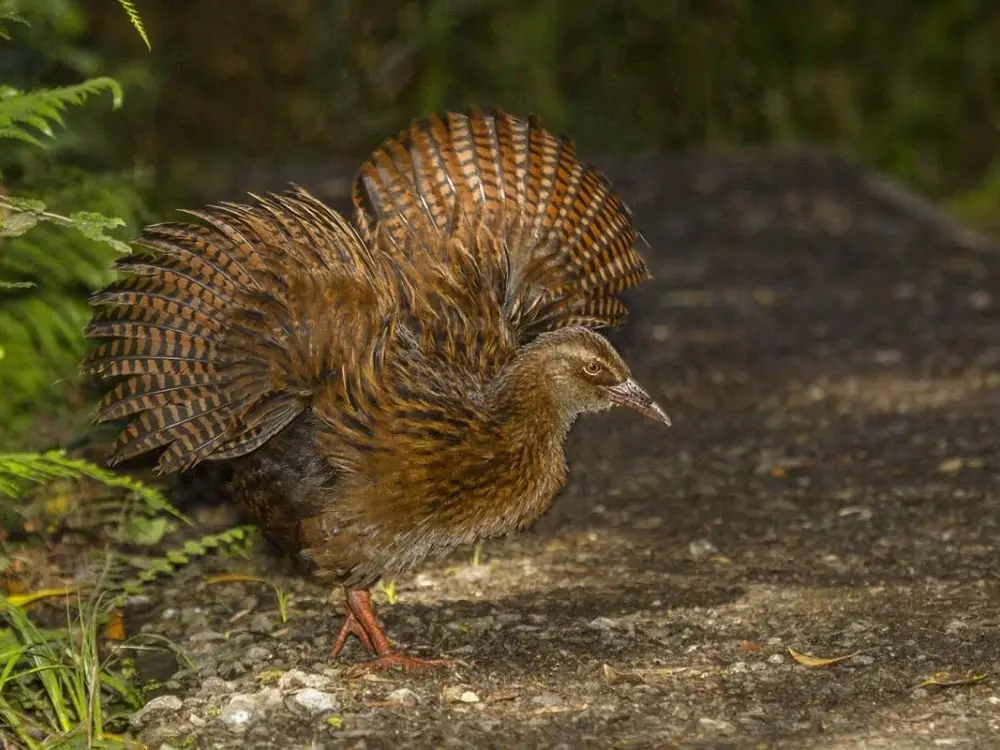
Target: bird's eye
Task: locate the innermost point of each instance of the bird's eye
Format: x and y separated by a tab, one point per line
592	368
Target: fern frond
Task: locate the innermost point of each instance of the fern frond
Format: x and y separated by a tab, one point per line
19	470
8	15
133	15
24	115
46	274
236	538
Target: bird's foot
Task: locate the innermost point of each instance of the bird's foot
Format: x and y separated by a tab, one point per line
397	660
352	626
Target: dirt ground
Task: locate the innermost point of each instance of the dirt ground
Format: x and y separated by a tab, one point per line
829	350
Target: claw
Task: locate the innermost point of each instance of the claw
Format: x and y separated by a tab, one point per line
359	620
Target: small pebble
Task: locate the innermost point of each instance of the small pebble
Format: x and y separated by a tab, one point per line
776	659
256	654
216	685
294	678
718	726
602	623
547	700
980	299
228	670
951	465
316	701
238	713
162	705
701	549
472	574
403	695
269	698
261	623
468	696
206	636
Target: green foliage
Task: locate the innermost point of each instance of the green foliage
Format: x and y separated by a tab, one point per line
7	16
26	115
236	539
25	213
388	589
56	265
54	686
51	260
56	690
133	16
18	470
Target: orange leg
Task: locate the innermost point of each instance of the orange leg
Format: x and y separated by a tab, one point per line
359	619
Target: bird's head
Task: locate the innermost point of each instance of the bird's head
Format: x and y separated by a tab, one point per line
584	373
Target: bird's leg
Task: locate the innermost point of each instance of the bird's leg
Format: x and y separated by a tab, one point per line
351	625
360	620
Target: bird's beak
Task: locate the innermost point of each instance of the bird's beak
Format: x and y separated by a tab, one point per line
631	394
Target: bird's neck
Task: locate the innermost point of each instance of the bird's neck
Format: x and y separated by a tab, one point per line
526	448
525	405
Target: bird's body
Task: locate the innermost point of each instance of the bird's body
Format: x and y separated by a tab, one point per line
393	389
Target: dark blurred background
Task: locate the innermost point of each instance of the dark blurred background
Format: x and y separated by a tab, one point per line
913	88
909	88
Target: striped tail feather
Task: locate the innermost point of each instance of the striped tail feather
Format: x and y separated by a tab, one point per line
207	331
570	239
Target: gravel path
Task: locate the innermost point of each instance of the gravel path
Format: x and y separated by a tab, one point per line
830	354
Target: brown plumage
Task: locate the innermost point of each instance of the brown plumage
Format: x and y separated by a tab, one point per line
393	389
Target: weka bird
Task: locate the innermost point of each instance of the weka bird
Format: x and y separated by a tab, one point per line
388	390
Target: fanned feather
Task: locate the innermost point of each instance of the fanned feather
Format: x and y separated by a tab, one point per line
224	331
568	239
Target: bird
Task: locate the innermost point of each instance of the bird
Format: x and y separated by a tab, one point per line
387	387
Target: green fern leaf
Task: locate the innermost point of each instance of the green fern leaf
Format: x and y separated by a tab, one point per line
19	470
236	539
40	109
7	15
133	15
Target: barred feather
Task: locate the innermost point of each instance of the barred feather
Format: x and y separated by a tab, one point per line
569	239
213	327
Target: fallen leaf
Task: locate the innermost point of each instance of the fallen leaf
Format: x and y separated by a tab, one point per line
613	677
23	600
951	466
502	695
818	661
235	578
114	628
943	679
